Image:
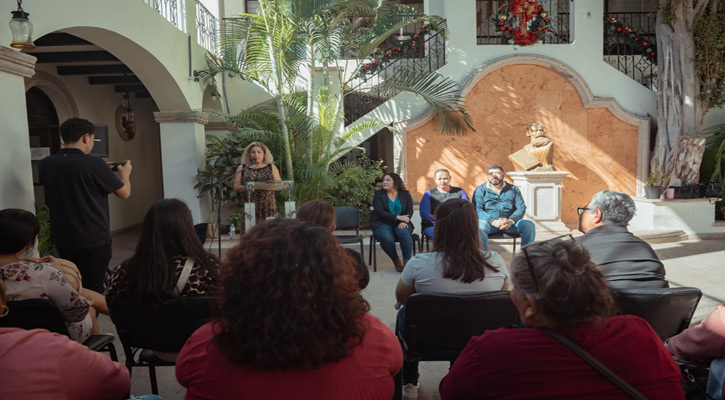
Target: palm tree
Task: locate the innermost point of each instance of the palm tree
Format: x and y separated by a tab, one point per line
270	47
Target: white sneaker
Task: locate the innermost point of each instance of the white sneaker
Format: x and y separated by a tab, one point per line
410	391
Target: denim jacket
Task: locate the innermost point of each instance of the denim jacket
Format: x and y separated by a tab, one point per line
506	204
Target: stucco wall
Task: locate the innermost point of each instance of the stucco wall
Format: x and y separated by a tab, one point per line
597	148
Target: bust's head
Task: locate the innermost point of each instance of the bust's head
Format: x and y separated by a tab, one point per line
535	130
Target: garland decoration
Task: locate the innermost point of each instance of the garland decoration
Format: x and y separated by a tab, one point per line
402	50
618	29
523	23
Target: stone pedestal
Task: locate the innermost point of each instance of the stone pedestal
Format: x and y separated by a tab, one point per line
695	217
542	194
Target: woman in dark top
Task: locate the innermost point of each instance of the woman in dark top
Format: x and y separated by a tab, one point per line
258	165
434	197
392	210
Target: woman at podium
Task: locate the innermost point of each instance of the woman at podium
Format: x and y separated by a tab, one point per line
257	165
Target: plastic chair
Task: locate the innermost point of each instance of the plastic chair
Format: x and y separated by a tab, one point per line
372	254
348	218
43	314
438	326
668	310
144	328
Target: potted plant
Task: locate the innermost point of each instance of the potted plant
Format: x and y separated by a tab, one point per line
653	184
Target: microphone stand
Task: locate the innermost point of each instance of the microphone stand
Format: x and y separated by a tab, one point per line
218	188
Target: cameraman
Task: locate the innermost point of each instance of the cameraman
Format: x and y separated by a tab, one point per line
77	186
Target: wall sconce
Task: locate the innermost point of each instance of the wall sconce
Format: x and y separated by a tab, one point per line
21	29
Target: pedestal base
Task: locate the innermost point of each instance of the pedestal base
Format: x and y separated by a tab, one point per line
542	194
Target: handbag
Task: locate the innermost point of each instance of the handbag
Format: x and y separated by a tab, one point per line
626	387
694	379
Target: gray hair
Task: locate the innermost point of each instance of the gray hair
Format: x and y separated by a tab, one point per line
439	171
616	207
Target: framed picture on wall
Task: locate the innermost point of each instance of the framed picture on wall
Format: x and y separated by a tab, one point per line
100	148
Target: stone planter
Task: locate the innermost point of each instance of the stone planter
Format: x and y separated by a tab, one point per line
652	192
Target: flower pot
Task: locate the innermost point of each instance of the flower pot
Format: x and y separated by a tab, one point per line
652	192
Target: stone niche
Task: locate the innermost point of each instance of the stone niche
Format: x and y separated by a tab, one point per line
598	149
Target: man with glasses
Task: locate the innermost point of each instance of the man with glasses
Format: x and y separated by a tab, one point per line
625	260
501	208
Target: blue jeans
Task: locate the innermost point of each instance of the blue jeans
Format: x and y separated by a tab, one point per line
429	231
386	234
526	228
410	368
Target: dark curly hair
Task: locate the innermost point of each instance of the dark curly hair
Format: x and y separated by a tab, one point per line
397	181
74	128
564	283
289	298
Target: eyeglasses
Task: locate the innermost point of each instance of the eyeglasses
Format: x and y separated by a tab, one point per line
528	261
580	210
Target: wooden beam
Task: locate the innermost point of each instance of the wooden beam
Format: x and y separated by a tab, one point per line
129	88
143	95
93	69
60	39
113	79
74	56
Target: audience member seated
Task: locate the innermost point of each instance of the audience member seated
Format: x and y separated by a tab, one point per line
501	208
323	213
558	287
392	210
291	325
434	197
169	262
625	260
703	344
457	265
40	365
28	278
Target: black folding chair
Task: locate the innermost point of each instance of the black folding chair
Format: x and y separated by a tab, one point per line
145	328
438	326
348	218
668	310
43	314
372	256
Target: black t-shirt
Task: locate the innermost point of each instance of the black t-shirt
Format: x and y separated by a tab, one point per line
77	186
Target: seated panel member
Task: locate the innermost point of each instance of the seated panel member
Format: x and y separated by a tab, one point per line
625	260
434	197
501	208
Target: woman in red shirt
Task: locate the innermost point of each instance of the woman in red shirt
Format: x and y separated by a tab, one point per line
291	324
558	287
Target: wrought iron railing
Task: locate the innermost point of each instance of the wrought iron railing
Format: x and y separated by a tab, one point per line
370	90
207	26
169	9
626	55
489	32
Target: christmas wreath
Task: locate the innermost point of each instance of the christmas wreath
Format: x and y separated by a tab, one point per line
400	50
523	22
619	29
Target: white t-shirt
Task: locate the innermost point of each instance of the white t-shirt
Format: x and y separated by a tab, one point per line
424	272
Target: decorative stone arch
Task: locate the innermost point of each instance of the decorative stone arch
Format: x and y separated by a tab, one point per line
585	94
58	93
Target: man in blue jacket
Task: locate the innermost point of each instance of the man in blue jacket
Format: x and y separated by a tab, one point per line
500	207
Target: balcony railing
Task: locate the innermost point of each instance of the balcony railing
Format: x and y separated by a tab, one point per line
628	57
489	32
371	91
207	26
169	9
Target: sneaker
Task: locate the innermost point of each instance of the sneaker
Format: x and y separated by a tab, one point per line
410	391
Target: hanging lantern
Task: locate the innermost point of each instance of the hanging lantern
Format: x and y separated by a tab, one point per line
21	29
127	119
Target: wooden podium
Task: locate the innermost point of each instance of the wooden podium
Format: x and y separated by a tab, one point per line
250	218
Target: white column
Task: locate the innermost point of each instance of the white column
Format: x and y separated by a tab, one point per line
16	178
183	154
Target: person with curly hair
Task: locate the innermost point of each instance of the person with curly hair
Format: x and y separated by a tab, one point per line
323	213
257	164
558	289
290	324
390	219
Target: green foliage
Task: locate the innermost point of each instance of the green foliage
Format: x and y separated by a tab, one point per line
712	168
356	183
45	245
655	178
709	36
